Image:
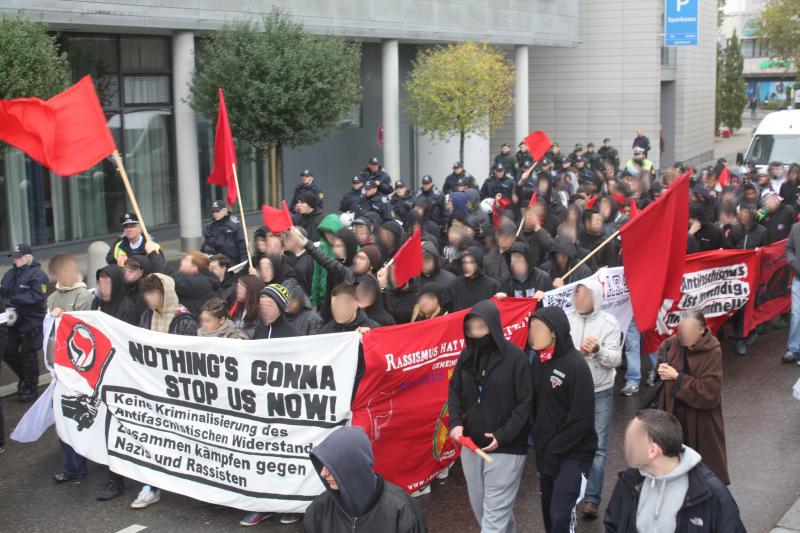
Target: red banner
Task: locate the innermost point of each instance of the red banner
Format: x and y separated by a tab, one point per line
402	399
719	282
773	296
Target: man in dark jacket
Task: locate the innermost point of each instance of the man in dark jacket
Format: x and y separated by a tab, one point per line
24	286
499	182
376	174
667	487
350	200
593	235
373	202
345	312
778	218
641	141
355	497
272	323
506	159
563	410
307	185
224	234
561	260
489	398
703	235
459	173
402	201
747	234
194	282
472	285
131	243
494	262
432	271
525	280
308	214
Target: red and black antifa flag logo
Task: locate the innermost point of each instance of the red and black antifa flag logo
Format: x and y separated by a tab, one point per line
87	351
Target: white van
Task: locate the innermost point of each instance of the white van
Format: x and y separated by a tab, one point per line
777	138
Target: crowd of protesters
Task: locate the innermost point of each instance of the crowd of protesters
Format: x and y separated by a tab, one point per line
520	232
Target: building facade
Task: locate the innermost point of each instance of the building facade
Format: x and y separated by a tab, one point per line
585	71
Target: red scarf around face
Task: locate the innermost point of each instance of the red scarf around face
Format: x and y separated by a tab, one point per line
546	354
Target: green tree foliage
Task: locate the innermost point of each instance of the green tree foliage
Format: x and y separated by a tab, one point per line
30	61
731	91
283	85
460	89
779	25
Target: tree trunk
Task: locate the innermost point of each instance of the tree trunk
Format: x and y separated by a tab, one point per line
461	146
279	173
272	191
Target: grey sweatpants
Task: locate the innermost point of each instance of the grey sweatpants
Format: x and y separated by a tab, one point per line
492	489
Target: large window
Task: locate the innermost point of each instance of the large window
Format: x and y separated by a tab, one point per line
132	75
755	48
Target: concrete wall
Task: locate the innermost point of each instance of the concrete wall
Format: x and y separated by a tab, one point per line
545	22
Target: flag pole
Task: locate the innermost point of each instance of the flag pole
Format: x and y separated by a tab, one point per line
241	213
129	189
590	254
525	211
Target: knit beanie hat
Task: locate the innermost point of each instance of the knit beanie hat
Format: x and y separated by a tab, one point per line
277	292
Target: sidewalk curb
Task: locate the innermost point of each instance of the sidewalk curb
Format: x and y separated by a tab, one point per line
790	522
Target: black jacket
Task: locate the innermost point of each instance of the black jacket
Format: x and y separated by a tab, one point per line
779	223
193	290
309	222
564	245
350	200
466	292
563	402
741	238
183	323
121	306
708	237
376	312
707	508
490	391
360	321
536	280
280	329
400	302
25	288
225	237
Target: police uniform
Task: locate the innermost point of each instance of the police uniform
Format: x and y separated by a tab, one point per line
123	248
451	180
224	236
377	203
592	158
380	177
301	188
401	205
494	185
25	288
610	154
350	200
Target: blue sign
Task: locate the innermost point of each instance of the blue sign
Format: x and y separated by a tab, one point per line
680	22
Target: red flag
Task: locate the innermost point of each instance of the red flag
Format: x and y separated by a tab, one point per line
82	348
408	259
277	220
634	207
224	153
724	176
591	201
538	144
67	133
654	252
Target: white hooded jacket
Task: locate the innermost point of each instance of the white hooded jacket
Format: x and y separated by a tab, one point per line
605	328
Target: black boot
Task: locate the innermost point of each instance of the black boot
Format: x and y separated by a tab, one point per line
110	491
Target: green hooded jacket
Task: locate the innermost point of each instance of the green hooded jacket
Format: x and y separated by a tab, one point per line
329	224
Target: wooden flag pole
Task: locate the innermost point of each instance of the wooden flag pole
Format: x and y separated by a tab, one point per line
241	213
590	254
525	211
129	189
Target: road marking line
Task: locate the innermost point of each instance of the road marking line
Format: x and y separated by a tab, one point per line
135	528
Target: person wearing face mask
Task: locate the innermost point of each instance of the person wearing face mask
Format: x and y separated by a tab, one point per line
564	433
489	399
667	487
690	367
355	497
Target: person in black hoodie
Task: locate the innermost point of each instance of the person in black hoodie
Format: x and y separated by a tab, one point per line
490	395
355	497
136	268
111	297
778	218
526	281
220	267
390	237
562	259
563	409
370	300
194	283
703	235
399	301
345	312
472	285
272	323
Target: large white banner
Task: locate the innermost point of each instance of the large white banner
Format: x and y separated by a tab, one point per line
616	296
226	421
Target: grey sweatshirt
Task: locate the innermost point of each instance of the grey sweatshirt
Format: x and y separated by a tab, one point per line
662	497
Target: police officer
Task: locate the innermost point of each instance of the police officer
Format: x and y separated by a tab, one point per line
507	159
639	162
401	201
609	153
523	156
576	153
376	173
373	202
25	288
499	182
431	194
306	185
592	158
459	173
131	242
224	235
546	169
351	199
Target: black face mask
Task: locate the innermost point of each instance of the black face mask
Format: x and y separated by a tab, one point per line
483	343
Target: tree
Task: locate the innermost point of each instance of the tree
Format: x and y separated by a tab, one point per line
460	89
718	99
779	25
283	86
30	60
731	90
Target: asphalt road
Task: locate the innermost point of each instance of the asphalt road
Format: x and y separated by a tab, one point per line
761	418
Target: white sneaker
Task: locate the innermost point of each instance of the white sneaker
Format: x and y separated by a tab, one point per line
290	518
443	473
421	492
147	496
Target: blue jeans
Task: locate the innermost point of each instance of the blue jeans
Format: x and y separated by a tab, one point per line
633	353
794	326
603	409
73	462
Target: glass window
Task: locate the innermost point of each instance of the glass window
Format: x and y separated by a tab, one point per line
766	148
147	90
145	54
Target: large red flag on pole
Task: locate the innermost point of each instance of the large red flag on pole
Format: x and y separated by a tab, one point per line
724	176
408	259
654	252
223	172
538	144
67	133
276	220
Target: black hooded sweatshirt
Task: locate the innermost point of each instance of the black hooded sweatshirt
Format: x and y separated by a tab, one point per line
466	292
564	245
490	391
376	311
536	279
193	290
364	501
280	329
401	301
120	306
563	401
133	292
360	321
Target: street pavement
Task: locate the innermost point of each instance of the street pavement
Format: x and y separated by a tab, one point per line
761	422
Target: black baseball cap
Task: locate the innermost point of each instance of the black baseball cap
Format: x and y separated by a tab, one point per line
427	179
460	182
370	185
307	172
374	161
499	166
20	250
356	179
606	140
216	205
398	184
129	219
458	164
